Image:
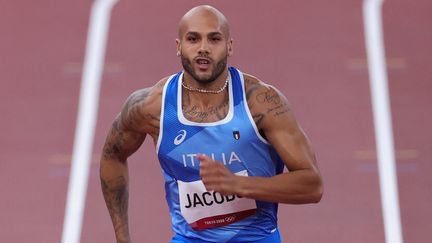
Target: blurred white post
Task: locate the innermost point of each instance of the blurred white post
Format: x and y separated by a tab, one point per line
86	121
382	120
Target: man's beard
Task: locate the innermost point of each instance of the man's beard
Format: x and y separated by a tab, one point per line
217	71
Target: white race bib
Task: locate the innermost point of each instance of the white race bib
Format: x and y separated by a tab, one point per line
203	209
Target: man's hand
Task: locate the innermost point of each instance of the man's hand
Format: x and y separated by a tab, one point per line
216	177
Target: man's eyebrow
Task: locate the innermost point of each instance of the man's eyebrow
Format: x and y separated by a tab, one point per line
192	33
209	34
214	33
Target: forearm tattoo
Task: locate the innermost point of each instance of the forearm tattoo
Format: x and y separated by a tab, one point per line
116	196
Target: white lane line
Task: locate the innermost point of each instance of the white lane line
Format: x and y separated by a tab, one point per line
86	121
382	120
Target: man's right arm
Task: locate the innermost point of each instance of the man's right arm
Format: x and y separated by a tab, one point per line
124	138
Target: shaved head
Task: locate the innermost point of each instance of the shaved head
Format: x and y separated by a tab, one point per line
204	14
204	44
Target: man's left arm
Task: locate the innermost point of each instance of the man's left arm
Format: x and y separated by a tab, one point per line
274	118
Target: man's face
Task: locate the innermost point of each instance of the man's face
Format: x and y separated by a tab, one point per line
204	46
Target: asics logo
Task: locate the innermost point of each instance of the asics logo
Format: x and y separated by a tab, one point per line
180	138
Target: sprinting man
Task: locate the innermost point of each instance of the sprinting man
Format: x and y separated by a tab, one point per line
223	138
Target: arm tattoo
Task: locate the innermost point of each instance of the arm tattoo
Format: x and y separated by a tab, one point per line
155	121
132	114
116	196
268	97
114	143
125	137
275	105
281	112
265	104
278	110
251	88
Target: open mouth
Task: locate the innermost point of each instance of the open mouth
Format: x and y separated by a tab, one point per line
203	63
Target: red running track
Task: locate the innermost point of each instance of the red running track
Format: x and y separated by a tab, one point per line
313	51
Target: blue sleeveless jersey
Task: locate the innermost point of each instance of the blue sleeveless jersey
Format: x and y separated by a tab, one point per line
234	141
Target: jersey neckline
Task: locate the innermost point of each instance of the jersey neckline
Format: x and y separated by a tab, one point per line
185	121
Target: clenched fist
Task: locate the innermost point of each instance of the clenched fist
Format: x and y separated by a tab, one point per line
216	177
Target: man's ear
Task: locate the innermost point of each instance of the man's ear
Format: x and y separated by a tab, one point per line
178	47
230	47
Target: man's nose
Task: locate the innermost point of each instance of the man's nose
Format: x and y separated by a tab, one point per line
204	47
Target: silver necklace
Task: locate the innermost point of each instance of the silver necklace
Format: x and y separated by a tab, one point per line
205	91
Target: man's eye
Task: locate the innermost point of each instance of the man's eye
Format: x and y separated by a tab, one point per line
191	39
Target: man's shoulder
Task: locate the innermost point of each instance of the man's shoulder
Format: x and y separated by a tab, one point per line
260	95
254	86
141	111
146	100
147	96
266	103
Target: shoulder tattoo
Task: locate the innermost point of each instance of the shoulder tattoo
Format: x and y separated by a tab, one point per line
265	102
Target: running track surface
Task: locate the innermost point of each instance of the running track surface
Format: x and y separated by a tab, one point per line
312	50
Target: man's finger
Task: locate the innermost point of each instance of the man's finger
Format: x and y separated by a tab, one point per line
203	158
